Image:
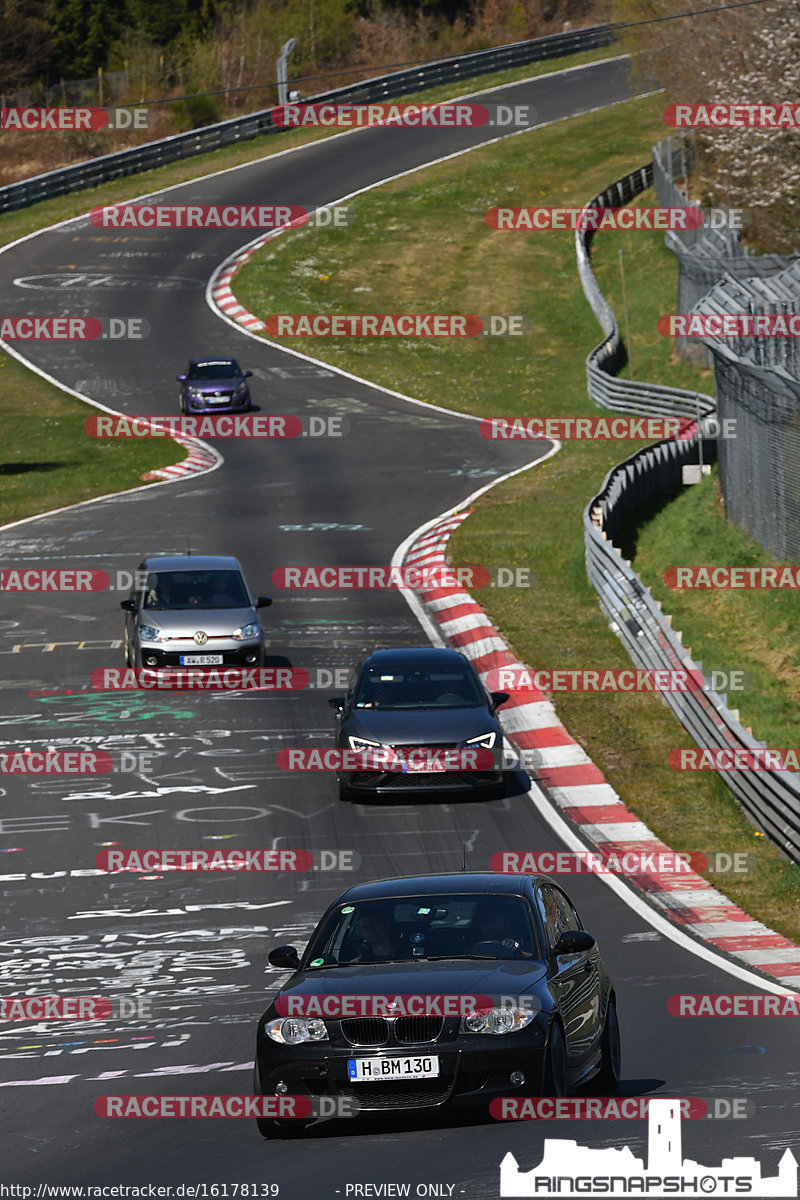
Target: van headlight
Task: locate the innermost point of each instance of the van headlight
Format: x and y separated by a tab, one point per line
149	633
247	631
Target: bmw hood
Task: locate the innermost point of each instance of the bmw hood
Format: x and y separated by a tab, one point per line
185	622
420	727
452	977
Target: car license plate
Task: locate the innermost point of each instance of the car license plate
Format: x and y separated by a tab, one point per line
201	660
372	1070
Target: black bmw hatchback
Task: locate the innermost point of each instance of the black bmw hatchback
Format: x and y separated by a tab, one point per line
428	991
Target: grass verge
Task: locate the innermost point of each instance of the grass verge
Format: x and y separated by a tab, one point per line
421	245
60	465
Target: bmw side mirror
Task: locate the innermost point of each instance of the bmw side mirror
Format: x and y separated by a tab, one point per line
247	374
284	956
499	698
181	378
128	605
337	702
263	601
574	941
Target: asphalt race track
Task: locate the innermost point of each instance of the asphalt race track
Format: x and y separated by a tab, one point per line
195	945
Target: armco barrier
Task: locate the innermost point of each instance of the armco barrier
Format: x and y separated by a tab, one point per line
238	129
771	799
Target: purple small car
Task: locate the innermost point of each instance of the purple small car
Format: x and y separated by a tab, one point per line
214	385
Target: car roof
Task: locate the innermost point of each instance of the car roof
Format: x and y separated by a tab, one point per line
191	562
410	656
461	882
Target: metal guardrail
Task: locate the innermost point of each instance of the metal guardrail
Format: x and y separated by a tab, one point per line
771	799
238	129
603	362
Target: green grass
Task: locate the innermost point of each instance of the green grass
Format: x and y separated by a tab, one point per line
420	245
47	459
57	464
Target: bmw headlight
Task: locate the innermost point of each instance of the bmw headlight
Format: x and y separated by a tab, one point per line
487	740
247	631
291	1031
497	1020
358	743
149	633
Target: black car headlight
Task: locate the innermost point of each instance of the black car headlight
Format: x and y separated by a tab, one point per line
291	1031
363	744
485	740
503	1019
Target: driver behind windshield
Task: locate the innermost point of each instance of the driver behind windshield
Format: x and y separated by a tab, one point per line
493	923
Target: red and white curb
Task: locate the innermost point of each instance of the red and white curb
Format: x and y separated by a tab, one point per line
201	458
581	791
220	290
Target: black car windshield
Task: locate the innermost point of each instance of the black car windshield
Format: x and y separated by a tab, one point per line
195	589
224	369
419	928
434	687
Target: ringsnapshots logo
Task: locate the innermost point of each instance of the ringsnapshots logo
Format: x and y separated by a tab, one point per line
217	425
54	120
450	115
73	329
235	861
569	1170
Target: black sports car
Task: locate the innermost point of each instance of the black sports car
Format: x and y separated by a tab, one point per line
431	990
427	700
